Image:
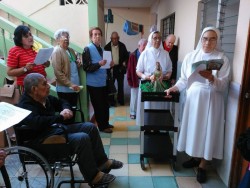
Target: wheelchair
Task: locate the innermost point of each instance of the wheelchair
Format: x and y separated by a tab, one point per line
28	165
25	167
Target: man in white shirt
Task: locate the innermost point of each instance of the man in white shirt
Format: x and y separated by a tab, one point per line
120	57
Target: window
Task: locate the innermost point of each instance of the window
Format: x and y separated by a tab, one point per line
222	14
167	25
77	2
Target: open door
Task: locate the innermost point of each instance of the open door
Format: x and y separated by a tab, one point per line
239	165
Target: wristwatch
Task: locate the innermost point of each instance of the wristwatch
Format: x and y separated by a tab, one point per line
25	69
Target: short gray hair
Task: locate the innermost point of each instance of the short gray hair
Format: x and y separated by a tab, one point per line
60	32
142	41
32	79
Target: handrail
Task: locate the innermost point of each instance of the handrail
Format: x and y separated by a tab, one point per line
18	15
8	26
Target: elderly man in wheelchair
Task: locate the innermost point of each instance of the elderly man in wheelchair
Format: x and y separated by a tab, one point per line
83	138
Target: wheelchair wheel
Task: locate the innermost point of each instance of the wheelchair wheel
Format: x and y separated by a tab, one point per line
28	168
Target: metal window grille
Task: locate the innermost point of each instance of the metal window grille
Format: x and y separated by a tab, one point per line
76	2
167	25
224	15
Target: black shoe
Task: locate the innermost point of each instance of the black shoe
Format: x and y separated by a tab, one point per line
201	175
113	104
191	163
111	126
106	179
121	103
107	130
114	165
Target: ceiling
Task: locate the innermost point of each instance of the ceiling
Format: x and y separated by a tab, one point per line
128	3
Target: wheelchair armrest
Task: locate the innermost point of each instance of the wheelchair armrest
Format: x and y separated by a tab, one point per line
75	109
23	134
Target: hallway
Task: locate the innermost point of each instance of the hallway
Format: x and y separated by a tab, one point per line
124	145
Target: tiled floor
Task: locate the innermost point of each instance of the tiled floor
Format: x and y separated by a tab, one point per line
124	145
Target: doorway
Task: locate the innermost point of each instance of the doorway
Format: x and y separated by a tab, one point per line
239	165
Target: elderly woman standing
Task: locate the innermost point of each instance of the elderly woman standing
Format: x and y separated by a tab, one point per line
202	130
146	66
92	59
65	64
21	57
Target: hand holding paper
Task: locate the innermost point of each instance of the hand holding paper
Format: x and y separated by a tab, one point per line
107	56
43	55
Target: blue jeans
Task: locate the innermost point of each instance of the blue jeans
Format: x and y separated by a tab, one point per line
86	142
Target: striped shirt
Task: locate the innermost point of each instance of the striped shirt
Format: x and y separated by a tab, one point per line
19	57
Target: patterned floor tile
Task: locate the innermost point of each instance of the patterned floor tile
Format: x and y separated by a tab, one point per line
135	170
140	182
134	149
188	182
161	170
119	141
134	128
120	134
123	123
134	158
133	134
118	149
164	182
120	182
106	141
134	141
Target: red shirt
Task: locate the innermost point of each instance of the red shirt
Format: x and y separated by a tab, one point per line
19	57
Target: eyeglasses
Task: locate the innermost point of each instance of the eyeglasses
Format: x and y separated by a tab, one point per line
156	38
206	39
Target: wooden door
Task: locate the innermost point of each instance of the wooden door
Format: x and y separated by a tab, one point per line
239	165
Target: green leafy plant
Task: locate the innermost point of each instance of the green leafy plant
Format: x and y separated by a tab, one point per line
149	86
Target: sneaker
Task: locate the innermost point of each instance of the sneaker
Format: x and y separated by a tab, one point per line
201	175
103	179
111	164
191	163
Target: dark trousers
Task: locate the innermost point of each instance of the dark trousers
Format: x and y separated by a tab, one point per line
99	100
84	138
118	75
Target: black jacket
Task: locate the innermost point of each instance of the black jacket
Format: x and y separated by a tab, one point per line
123	53
174	58
41	118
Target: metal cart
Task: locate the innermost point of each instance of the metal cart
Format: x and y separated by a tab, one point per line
155	127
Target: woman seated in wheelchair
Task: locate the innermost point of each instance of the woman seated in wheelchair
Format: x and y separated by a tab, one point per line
84	138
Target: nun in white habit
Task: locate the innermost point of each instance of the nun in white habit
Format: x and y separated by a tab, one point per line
146	66
202	130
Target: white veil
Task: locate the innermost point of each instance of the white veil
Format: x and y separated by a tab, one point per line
150	37
218	45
